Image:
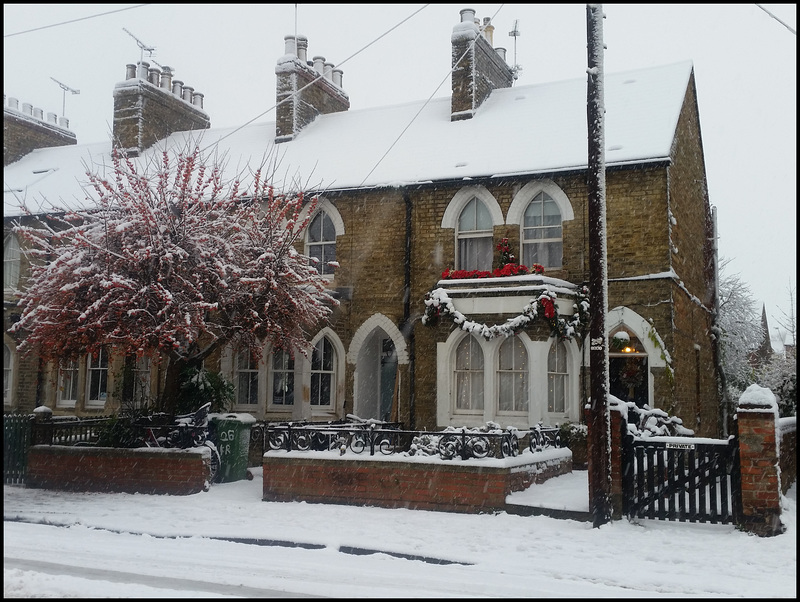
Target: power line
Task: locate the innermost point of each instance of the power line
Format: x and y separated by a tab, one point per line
356	53
777	19
18	33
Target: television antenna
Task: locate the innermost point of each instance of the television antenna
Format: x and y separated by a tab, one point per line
514	33
65	89
142	47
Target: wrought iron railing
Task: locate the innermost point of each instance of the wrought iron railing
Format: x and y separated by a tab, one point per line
73	431
375	438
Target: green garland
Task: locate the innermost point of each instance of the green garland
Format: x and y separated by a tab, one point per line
438	304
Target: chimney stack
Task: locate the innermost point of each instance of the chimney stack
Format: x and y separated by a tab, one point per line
304	90
477	67
28	129
150	105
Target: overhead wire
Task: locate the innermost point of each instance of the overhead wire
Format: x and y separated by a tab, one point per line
318	77
119	10
441	83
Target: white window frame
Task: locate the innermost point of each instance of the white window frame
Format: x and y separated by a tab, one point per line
332	212
537	351
521	402
549	242
319	249
460	200
9	356
250	372
523	198
556	376
473	375
11	261
100	370
288	368
318	372
474	240
142	374
69	367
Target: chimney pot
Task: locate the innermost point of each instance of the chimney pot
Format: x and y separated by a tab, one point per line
130	71
166	78
488	30
27	108
13	103
302	49
291	45
154	75
337	77
468	15
501	52
319	64
187	93
51	117
63	122
328	71
197	99
38	113
177	87
143	70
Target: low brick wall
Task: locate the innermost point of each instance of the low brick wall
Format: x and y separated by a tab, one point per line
112	470
470	486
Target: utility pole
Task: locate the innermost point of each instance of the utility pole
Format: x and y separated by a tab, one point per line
599	418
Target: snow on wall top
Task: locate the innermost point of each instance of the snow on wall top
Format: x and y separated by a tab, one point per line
520	130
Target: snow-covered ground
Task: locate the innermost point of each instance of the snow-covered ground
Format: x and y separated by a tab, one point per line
121	545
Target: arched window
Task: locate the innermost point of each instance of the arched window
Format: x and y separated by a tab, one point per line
282	378
7	374
512	376
323	374
97	378
10	261
321	242
557	373
474	237
469	375
246	378
541	233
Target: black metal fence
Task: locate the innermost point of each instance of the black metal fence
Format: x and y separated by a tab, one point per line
69	430
16	441
374	438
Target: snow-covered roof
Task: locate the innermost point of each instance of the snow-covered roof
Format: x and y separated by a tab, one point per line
520	130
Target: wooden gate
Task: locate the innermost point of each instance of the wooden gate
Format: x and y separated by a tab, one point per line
16	441
681	479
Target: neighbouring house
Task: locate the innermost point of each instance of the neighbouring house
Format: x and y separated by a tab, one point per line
414	200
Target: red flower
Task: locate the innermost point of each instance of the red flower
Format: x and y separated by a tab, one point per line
549	308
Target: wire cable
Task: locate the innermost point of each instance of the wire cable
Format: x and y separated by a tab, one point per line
119	10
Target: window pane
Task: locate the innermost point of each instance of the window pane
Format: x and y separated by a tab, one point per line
323	361
475	253
533	214
469	375
513	376
98	377
282	378
10	261
550	213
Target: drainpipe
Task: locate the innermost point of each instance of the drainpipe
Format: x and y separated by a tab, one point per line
407	327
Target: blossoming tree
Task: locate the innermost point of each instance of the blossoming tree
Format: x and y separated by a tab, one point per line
173	262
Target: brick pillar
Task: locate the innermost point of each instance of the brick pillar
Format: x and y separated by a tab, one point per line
758	457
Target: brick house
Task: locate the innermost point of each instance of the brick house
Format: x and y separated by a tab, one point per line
409	191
